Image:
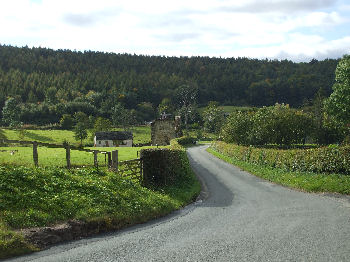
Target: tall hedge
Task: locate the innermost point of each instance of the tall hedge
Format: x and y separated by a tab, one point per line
162	166
320	160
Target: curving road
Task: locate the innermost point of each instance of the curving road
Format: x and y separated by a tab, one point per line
241	218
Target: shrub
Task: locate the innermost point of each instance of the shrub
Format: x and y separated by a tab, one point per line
334	159
269	125
186	140
237	128
162	166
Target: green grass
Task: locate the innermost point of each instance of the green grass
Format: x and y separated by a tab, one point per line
306	181
57	156
44	196
36	197
142	134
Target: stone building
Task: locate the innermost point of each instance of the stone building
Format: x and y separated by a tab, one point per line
165	129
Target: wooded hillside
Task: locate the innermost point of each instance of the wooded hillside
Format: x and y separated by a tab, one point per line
52	83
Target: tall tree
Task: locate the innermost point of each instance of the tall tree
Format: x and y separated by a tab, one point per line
80	132
186	97
338	104
11	113
213	117
122	116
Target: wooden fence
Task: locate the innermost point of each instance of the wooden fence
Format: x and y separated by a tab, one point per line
112	156
129	168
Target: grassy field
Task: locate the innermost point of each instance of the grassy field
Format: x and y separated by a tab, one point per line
57	156
306	181
142	134
16	155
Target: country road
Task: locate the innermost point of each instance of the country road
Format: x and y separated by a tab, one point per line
241	218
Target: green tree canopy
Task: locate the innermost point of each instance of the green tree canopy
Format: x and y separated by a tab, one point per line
80	132
67	121
338	104
213	117
11	112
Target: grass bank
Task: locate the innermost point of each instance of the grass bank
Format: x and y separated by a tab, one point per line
45	196
306	181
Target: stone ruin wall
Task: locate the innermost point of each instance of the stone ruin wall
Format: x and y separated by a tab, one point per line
162	131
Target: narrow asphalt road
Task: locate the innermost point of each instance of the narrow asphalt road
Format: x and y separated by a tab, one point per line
241	218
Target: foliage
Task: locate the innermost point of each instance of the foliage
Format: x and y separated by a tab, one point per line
338	104
122	116
80	132
82	119
186	97
11	113
277	124
213	117
67	122
310	182
51	83
164	166
145	112
166	106
320	160
237	128
186	140
102	124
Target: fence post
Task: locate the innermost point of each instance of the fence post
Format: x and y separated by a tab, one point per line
141	169
115	160
95	158
35	153
109	159
67	146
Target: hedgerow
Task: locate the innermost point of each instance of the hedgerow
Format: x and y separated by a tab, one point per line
331	159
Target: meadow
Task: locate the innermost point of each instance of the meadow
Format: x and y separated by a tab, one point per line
23	155
142	134
57	156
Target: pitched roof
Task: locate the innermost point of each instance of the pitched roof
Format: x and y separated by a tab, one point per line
113	135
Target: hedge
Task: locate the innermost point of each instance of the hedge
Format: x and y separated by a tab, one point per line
185	140
164	166
332	159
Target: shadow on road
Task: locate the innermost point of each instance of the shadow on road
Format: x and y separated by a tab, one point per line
214	192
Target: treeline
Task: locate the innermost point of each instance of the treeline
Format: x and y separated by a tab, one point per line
48	83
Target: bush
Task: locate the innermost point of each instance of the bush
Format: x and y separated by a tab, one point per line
269	125
162	166
186	140
334	159
237	128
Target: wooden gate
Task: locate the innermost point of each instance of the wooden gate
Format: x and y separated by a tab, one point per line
131	169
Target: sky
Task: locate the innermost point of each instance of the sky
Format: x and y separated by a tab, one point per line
297	30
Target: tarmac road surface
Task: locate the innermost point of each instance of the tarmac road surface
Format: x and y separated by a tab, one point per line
240	218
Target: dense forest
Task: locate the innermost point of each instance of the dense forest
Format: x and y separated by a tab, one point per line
48	83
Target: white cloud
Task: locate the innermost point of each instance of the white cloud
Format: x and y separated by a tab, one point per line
274	28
